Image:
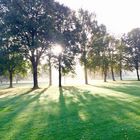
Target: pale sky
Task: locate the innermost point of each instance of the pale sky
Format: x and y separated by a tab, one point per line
119	16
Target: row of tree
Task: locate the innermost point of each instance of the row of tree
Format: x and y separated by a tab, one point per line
29	29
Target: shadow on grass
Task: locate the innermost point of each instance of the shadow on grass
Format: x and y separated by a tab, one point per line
78	114
13	106
45	89
131	88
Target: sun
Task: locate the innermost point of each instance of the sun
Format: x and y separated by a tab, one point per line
57	49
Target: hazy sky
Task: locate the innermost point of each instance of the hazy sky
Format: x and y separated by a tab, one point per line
120	16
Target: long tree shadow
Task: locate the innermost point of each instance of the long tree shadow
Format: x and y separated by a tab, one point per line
11	108
61	120
130	89
4	102
63	109
45	89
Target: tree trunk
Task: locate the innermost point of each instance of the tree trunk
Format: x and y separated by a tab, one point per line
137	70
120	65
11	79
50	71
112	72
105	75
85	71
60	77
35	75
121	74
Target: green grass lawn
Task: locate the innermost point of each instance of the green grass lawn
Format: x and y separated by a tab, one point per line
101	111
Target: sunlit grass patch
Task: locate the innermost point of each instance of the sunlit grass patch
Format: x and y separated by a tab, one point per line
96	111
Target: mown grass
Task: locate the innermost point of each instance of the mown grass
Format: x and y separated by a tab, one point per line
100	111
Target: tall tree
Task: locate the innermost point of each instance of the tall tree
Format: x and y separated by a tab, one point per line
99	53
112	55
121	56
67	31
133	44
31	22
89	28
10	60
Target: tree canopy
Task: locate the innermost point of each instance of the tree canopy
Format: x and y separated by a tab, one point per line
31	29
